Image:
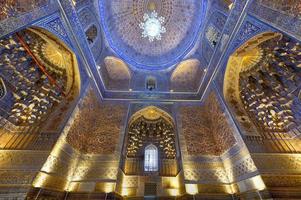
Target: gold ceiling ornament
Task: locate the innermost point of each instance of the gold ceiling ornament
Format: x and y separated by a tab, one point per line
242	60
39	85
256	84
151	113
253	57
56	57
152	26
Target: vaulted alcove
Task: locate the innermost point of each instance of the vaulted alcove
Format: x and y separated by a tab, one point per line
262	88
150	155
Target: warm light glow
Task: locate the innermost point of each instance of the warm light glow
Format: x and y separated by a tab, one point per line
191	189
72	187
109	187
73	2
230	189
258	182
173	192
124	192
40	180
152	26
255	183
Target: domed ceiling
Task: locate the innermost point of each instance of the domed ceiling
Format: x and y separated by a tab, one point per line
122	25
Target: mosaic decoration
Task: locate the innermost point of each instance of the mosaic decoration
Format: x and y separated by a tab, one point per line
54	25
287	20
206	176
247	30
57	26
121	20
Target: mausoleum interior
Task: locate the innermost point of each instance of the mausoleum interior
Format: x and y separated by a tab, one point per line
150	99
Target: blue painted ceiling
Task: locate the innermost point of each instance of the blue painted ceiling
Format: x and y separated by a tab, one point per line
183	21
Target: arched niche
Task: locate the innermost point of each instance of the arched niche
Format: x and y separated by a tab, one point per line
150	126
42	80
116	73
261	86
186	76
152	113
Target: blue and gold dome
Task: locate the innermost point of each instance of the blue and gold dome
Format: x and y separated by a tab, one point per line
121	22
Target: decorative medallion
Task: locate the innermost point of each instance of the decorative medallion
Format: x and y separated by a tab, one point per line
152	26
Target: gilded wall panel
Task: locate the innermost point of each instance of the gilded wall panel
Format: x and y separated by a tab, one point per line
282	181
95	173
224	170
207	131
10	159
278	163
12	177
204	176
241	168
97	126
50	181
58	165
130	181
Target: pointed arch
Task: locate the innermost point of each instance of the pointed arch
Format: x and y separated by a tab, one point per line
261	86
243	59
186	76
151	113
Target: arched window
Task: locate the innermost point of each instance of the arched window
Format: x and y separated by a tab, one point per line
151	158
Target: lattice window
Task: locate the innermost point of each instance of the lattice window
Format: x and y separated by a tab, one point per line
151	158
212	35
91	34
2	89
